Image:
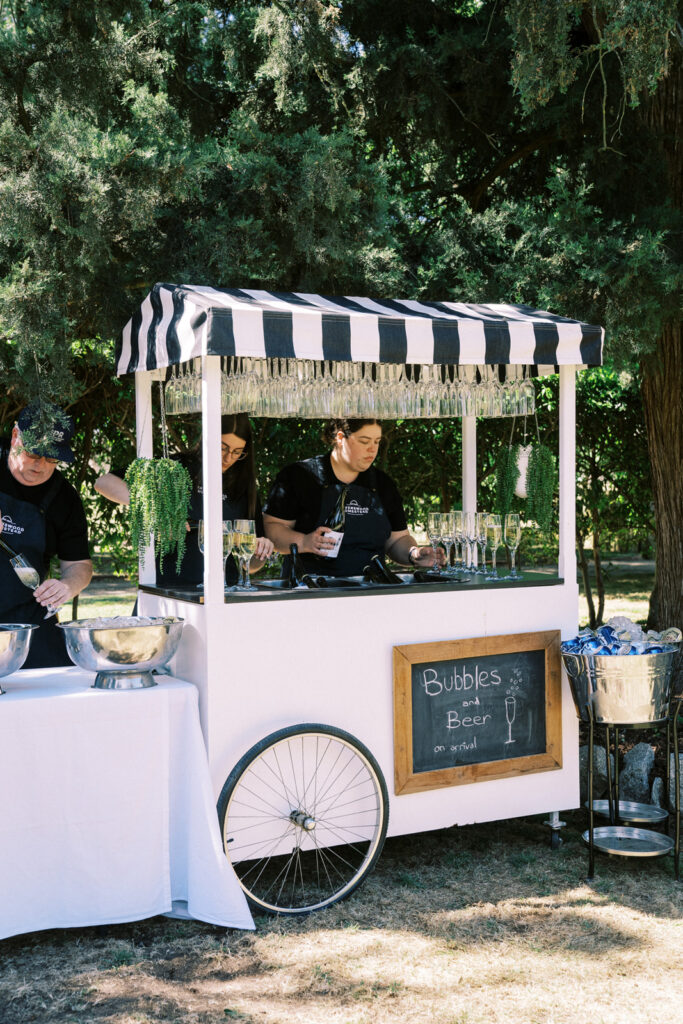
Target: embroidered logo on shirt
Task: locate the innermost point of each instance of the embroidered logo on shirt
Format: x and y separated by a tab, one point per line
354	509
9	526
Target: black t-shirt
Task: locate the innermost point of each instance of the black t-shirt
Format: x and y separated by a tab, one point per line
305	493
66	528
297	493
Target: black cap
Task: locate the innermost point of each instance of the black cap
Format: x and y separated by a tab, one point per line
46	430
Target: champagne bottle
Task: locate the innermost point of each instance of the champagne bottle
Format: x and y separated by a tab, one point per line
10	552
335	524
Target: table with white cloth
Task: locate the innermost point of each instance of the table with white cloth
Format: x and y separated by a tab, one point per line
106	807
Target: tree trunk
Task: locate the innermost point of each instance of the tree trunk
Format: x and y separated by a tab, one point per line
662	380
585	575
662	388
599	578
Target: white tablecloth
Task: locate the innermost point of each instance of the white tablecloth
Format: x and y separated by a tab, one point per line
106	807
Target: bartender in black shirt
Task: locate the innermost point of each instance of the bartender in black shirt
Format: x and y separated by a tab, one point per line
305	494
41	516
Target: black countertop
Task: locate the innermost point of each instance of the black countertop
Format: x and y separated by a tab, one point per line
264	592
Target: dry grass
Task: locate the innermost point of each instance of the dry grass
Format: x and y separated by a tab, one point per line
478	925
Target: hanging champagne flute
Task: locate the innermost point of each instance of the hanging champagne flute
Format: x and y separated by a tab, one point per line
512	537
245	542
493	532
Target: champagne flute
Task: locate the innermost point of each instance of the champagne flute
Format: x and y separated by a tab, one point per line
30	577
470	530
512	537
510	712
228	540
481	538
448	538
200	545
245	542
458	528
493	532
434	534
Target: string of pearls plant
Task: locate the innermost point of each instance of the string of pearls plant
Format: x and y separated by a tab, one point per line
160	492
159	502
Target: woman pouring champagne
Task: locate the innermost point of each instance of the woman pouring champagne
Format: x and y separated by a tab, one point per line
315	501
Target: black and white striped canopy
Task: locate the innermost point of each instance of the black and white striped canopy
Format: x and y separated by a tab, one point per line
175	323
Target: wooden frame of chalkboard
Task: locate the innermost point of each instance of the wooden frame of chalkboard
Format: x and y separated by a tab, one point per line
474	710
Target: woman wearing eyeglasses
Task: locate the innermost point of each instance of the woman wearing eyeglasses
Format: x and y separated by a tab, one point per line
240	501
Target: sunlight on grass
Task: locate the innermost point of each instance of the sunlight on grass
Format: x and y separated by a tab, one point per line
633	606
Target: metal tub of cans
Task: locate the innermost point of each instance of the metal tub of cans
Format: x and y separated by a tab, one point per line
619	674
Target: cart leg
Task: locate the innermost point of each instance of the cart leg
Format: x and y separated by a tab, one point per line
555	825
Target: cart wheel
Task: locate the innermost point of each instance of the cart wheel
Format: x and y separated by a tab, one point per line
303	818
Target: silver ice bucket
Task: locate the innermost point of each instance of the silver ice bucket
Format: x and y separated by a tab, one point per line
621	688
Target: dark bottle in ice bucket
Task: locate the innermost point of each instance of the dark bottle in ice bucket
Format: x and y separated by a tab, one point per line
335	524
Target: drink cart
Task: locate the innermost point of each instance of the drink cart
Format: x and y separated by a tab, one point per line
334	717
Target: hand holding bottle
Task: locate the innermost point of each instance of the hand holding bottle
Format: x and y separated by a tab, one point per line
326	540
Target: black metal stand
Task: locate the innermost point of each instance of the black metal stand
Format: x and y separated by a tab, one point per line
619	837
672	732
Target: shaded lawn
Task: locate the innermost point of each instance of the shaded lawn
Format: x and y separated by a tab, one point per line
482	924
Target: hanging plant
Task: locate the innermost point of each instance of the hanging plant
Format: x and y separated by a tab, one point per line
507	473
159	502
541	485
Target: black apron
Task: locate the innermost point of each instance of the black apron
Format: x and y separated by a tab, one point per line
366	531
17	604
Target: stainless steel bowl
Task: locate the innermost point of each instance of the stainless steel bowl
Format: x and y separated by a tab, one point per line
15	639
123	656
621	688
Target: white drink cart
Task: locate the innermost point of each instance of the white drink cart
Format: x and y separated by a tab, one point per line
453	693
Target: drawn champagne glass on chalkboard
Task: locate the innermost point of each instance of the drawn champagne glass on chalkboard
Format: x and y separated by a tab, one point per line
510	710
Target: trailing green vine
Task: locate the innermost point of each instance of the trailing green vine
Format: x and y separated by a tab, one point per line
159	502
540	484
507	473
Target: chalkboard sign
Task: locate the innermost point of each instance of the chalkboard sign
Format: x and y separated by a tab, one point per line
469	710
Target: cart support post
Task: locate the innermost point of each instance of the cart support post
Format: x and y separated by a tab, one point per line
145	450
567	452
469	464
212	481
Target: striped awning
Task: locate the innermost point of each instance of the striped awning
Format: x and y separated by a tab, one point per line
176	323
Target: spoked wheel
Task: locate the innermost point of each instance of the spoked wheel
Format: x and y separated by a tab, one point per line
303	818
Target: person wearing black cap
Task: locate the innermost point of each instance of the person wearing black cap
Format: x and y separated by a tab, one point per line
41	516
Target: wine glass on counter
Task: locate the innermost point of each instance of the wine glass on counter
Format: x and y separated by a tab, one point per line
470	528
434	534
448	538
227	542
512	536
459	538
493	533
245	545
482	518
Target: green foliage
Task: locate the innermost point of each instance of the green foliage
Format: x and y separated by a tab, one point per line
633	34
507	475
159	500
356	148
541	484
48	425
